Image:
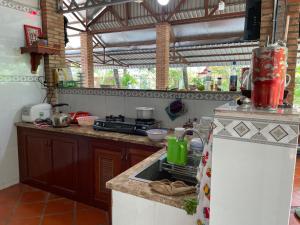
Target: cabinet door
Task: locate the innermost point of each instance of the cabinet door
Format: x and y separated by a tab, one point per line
137	153
37	156
65	165
108	164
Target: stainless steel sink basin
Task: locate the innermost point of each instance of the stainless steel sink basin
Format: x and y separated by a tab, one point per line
161	169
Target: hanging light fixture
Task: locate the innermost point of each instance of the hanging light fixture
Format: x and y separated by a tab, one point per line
221	5
163	2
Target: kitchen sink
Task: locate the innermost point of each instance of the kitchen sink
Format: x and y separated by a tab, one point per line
161	169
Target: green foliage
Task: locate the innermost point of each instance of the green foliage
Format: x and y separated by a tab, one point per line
175	76
190	206
297	87
128	81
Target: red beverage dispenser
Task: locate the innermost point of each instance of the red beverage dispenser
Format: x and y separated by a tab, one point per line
268	76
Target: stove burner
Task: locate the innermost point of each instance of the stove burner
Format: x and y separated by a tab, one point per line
145	121
112	118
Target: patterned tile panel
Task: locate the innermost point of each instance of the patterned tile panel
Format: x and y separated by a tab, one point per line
19	6
211	96
266	132
19	78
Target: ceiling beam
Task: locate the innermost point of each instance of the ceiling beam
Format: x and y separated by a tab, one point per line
175	22
74	7
97	17
117	16
77	17
151	11
74	28
206	7
177	8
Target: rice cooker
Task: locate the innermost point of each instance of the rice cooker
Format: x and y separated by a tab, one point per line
40	111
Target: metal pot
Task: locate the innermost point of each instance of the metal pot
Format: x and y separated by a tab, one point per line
60	119
144	113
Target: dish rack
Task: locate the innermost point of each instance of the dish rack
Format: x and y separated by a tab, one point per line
187	173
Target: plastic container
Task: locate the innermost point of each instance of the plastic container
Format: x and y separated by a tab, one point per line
177	151
86	120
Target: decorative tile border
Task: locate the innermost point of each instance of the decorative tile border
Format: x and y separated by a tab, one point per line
212	96
20	78
265	132
19	6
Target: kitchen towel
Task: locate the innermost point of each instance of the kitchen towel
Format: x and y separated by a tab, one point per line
204	178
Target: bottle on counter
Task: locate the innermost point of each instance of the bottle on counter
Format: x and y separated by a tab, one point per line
233	78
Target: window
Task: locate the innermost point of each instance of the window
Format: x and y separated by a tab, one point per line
297	87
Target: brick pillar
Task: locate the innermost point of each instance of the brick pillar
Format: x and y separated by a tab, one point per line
162	55
53	30
87	61
292	44
266	29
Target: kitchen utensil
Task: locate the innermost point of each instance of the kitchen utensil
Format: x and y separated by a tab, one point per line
87	120
60	119
157	134
144	113
30	113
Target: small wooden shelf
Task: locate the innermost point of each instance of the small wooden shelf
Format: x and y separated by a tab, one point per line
37	52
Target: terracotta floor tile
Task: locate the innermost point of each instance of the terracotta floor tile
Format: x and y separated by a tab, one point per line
28	221
33	196
8	199
91	217
54	197
59	206
63	219
5	213
27	210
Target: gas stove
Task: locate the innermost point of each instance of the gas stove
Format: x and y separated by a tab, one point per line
122	124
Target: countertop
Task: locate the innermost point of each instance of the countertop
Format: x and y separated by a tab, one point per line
90	132
290	115
122	183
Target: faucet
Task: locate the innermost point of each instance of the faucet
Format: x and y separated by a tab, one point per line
194	131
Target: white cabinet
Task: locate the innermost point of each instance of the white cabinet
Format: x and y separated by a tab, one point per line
132	210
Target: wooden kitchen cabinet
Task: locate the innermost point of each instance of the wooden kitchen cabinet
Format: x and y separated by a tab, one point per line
137	153
107	166
35	155
75	166
65	165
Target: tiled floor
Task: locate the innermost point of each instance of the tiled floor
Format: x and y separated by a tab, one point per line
23	205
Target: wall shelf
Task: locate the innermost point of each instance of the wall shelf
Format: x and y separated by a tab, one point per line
37	52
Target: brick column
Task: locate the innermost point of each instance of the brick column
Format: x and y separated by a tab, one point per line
162	55
87	61
53	30
292	44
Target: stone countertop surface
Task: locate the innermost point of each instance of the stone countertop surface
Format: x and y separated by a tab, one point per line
90	132
231	109
123	183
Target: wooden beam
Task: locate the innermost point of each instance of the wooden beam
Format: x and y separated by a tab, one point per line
212	12
176	22
74	7
151	11
177	8
74	28
77	17
206	7
127	13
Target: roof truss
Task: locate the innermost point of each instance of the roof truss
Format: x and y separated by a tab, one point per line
73	6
